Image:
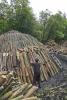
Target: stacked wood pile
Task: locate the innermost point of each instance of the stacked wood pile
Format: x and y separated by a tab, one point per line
63	49
64	44
10	89
52	45
14	39
28	56
19	50
21	63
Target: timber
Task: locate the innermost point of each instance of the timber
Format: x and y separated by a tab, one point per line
17	91
20	52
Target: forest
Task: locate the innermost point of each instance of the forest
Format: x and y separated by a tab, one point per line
18	15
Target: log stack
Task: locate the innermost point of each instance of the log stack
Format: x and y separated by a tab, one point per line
63	50
12	90
14	39
52	45
28	55
19	50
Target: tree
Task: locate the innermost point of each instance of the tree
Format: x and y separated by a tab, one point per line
54	27
65	31
3	16
18	15
44	16
22	17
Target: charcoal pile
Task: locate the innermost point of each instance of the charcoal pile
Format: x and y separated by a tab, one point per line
18	51
14	39
11	89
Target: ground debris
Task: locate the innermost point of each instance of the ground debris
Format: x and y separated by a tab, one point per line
53	93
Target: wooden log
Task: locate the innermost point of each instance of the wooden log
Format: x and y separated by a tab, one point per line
21	74
41	61
6	95
18	54
44	72
54	66
30	59
27	89
20	50
6	89
30	92
8	82
2	79
22	67
17	98
14	56
47	72
41	76
4	58
3	73
1	65
30	76
47	63
31	56
19	71
26	68
18	91
9	62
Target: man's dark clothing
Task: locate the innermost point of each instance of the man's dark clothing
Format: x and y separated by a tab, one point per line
36	69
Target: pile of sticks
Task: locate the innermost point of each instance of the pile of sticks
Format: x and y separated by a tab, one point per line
52	45
63	50
27	56
20	62
10	89
18	51
14	39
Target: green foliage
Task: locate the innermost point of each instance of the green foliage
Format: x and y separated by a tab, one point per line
55	26
18	15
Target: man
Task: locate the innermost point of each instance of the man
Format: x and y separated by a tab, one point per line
36	69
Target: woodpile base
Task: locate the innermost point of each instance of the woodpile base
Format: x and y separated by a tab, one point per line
19	61
10	89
